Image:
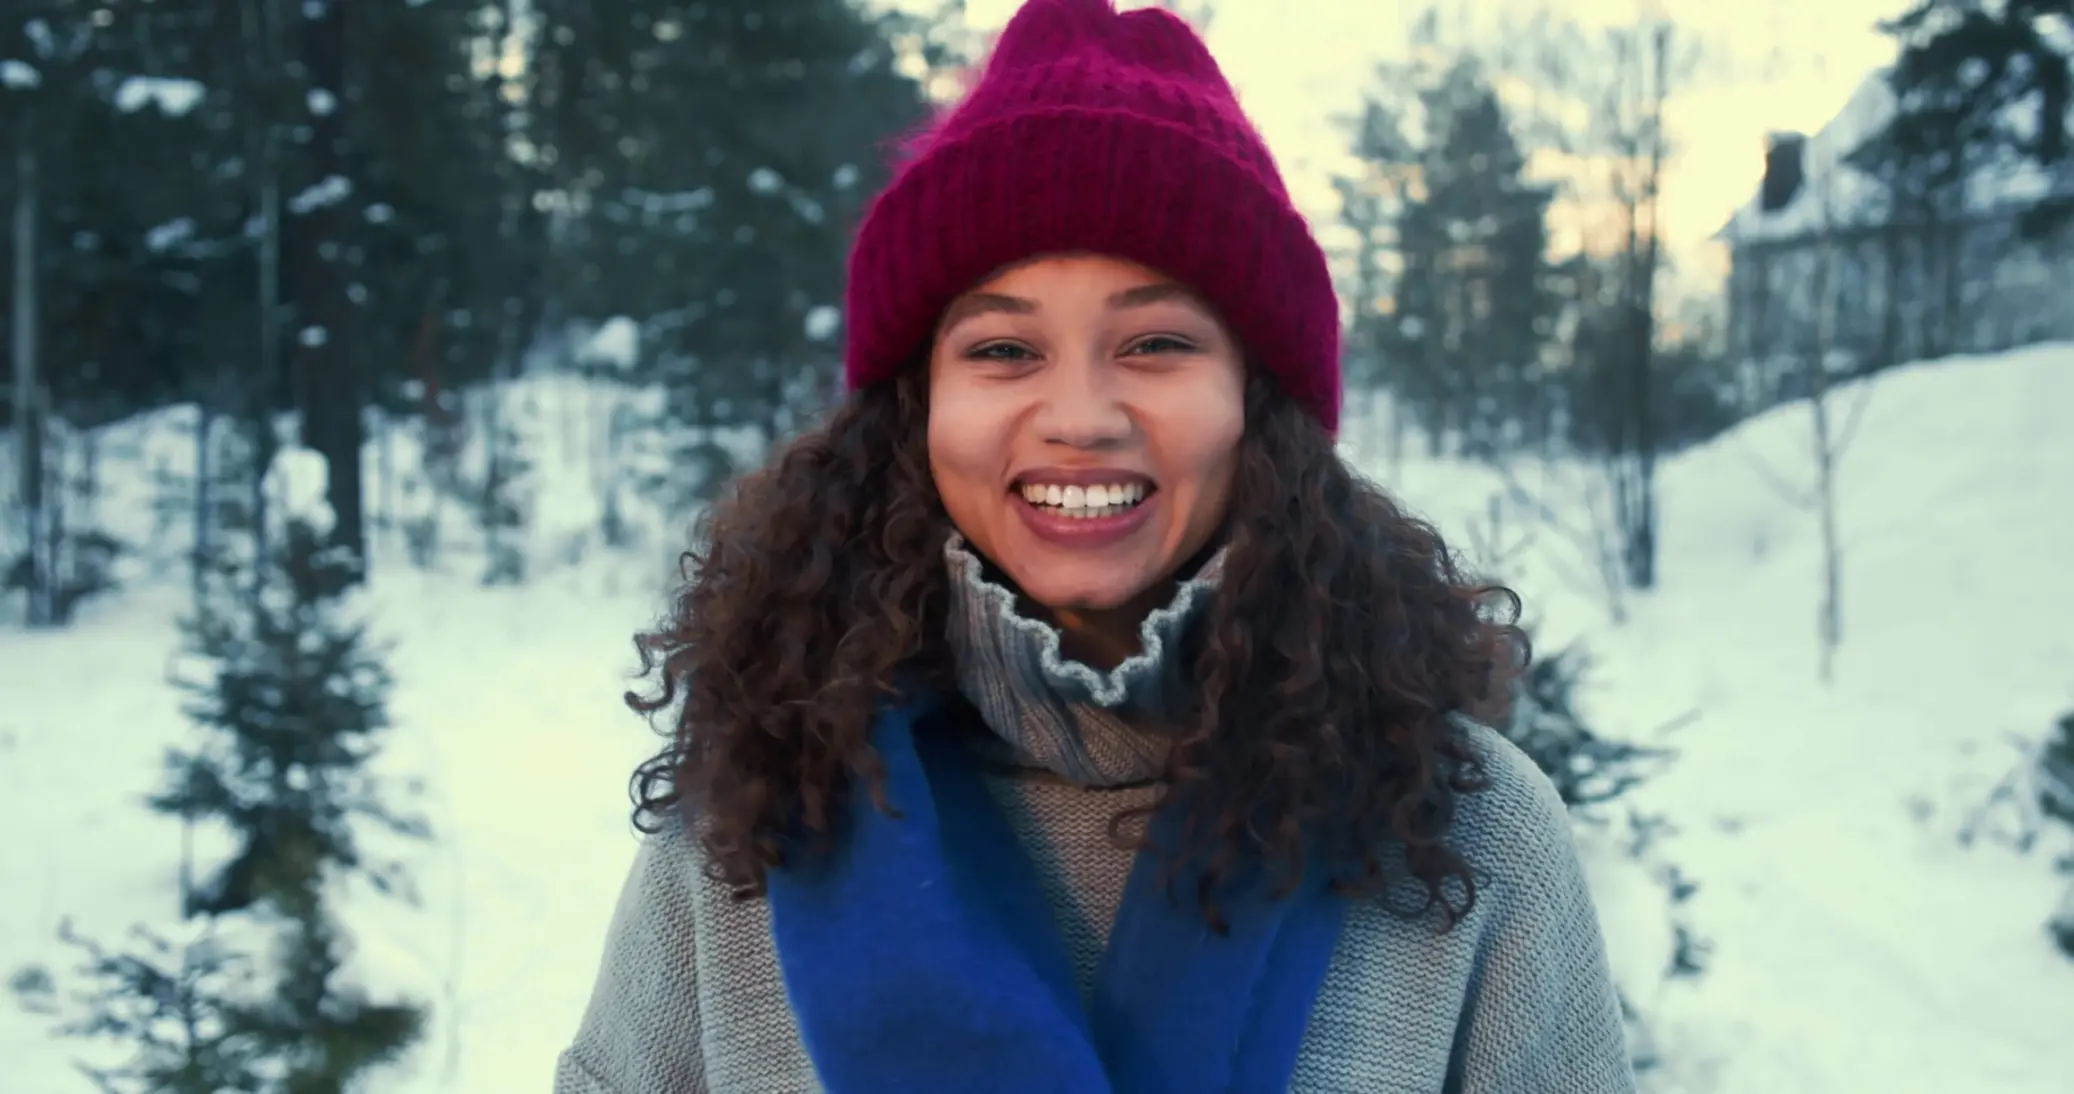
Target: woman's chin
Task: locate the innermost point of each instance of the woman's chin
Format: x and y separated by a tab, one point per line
1111	577
1103	588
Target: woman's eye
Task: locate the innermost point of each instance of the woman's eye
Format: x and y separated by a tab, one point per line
1160	343
1000	351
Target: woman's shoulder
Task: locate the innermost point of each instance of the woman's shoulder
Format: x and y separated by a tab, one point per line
662	887
1516	823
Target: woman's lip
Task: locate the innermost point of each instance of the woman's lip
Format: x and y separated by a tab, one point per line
1080	476
1081	533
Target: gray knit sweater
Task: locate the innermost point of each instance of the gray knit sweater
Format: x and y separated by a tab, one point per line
1516	999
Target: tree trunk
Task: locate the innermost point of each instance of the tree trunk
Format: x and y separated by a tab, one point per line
1642	537
259	405
204	426
501	523
28	423
262	34
382	514
56	600
331	401
1829	611
1890	245
1955	285
1399	426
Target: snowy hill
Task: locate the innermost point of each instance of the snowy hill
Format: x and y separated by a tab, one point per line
1855	945
1852	943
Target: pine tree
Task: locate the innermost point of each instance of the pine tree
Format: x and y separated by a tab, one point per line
291	703
1587	769
181	1009
1473	307
1590	771
1371	203
1974	80
73	311
319	228
713	159
2056	800
504	508
293	707
294	704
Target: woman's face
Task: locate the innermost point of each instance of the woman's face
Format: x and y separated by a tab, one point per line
1084	422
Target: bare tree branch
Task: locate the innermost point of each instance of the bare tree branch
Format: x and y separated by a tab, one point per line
1799	499
1856	413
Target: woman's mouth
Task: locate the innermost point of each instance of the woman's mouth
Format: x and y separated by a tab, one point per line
1091	502
1085	515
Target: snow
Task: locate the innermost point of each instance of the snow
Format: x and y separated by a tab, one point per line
823	321
1852	943
172	96
170	234
616	342
331	190
296	484
15	73
1855	946
657	203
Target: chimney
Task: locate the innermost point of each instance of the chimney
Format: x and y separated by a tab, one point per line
1784	171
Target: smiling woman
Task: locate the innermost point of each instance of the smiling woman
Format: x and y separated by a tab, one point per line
1085	415
1064	715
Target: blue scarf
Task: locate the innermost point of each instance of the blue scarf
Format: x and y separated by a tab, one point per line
920	956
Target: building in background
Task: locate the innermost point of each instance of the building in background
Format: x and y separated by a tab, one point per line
1842	256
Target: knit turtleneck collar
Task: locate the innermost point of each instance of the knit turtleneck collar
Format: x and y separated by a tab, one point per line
1053	713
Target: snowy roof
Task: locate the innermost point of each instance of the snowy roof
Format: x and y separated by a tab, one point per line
1854	198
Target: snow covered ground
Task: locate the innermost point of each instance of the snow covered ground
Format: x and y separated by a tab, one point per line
1853	943
1856	946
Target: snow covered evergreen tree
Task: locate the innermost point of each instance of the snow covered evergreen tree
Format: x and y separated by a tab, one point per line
504	508
1472	304
2056	800
1587	769
290	696
1590	770
177	1006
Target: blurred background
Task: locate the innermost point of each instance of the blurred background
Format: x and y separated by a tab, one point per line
370	360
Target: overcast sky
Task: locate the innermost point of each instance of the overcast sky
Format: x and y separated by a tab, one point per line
1769	64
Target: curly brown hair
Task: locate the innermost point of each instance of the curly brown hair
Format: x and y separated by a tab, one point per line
1342	639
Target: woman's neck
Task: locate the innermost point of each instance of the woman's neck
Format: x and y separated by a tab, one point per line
1073	692
1104	638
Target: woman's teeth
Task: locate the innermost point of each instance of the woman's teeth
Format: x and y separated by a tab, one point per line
1085	502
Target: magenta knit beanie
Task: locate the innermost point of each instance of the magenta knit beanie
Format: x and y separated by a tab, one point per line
1106	133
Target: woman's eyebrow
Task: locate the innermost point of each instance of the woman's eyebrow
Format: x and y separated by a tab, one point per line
1157	293
980	303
